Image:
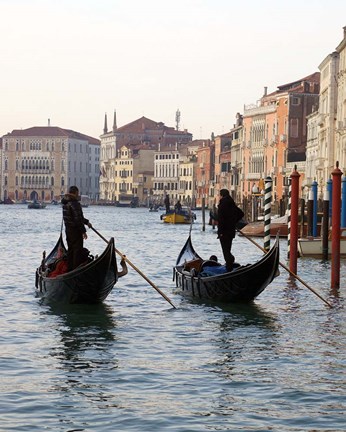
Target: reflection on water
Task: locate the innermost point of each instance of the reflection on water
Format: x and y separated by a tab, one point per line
136	364
83	353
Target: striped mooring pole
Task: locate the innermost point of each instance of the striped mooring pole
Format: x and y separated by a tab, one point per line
267	211
289	217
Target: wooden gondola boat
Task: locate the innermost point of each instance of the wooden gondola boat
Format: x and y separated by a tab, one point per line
243	284
89	283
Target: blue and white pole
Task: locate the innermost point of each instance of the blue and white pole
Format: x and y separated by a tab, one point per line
267	211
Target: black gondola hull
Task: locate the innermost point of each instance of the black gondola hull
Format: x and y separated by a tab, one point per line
241	285
87	284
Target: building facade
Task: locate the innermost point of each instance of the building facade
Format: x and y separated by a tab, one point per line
41	162
144	133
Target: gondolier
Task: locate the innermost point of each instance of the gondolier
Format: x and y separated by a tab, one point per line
74	227
228	216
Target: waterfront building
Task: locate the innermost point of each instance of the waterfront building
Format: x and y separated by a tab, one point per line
275	135
320	151
340	147
166	174
41	162
187	173
141	132
205	174
327	125
228	160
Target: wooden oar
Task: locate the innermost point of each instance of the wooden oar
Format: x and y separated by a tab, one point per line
135	268
288	270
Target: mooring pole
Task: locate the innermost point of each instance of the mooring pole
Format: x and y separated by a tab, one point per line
343	202
336	219
310	211
267	211
325	225
314	208
294	220
289	217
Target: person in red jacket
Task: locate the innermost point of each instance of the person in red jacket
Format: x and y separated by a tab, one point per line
228	216
74	227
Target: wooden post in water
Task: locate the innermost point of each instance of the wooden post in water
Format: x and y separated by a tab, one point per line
302	216
336	219
310	211
314	209
203	213
325	225
343	202
294	220
289	217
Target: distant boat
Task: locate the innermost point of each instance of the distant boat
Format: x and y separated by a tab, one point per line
36	205
84	201
183	216
312	246
8	201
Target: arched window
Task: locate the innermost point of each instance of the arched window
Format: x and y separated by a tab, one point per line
52	181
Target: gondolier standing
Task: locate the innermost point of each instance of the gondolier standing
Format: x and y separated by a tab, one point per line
228	216
74	227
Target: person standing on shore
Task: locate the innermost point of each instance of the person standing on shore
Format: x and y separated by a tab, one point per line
228	216
74	227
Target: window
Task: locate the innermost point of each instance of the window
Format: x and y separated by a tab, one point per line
294	123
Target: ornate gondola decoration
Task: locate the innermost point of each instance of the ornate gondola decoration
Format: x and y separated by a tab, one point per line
243	284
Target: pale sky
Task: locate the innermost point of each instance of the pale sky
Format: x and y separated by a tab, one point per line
72	61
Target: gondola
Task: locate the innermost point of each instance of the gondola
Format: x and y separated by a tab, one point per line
196	277
89	283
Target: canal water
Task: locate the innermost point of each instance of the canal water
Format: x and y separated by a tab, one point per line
135	363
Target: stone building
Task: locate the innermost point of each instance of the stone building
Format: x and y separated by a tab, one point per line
144	134
41	162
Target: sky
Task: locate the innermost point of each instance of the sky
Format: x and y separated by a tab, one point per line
72	61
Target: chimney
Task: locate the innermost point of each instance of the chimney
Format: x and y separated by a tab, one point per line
265	91
49	122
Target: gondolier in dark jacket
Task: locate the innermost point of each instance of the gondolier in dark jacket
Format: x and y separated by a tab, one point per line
74	227
228	216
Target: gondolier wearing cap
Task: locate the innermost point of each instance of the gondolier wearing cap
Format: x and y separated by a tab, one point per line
228	216
74	227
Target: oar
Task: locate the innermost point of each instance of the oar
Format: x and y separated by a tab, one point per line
135	268
288	270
